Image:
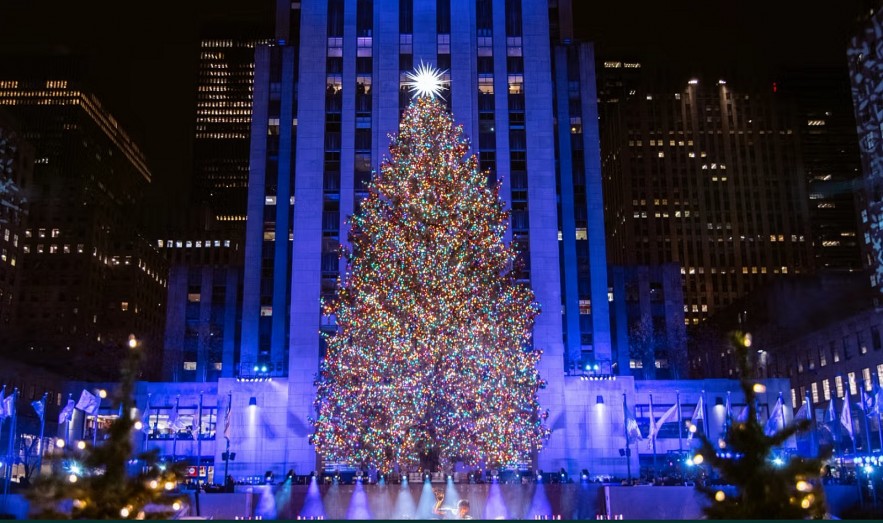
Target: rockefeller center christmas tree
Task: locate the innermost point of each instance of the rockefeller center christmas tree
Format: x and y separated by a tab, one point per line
432	362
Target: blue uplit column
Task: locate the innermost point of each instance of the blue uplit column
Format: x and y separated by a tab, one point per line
348	123
464	95
254	238
230	306
501	103
543	205
425	36
595	205
385	97
307	246
568	220
281	246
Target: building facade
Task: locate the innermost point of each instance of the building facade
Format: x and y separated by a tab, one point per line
320	128
16	174
647	317
89	278
865	58
821	332
829	147
223	127
707	175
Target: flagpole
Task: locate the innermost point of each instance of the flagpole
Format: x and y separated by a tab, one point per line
227	437
10	448
877	398
625	426
175	432
813	436
865	419
42	432
95	421
653	435
727	415
705	414
680	426
70	418
198	452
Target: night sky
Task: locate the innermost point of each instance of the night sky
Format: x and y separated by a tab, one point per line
142	55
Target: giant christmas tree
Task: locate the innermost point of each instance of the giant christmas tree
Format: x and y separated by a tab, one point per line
432	362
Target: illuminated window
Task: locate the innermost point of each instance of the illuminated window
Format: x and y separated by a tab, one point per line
815	392
853	386
866	378
189	365
267	310
838	385
124	306
218	365
193	297
826	389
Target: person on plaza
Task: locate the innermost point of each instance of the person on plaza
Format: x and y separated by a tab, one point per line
463	509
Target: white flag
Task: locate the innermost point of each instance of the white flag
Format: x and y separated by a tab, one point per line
3	413
9	406
88	402
662	420
698	414
846	416
66	413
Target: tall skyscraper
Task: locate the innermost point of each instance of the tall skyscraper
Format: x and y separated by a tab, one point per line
89	278
16	173
325	98
865	58
223	127
708	175
831	162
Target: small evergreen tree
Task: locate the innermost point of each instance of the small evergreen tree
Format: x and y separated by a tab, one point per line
105	489
764	490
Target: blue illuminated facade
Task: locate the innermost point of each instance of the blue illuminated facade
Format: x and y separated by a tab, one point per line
327	95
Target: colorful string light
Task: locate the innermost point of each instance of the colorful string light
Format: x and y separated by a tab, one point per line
432	352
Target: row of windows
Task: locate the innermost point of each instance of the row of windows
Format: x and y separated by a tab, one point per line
821	390
179	244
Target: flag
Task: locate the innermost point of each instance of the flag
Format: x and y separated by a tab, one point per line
145	419
631	427
743	416
698	414
88	402
655	426
830	415
878	401
3	413
227	418
38	408
728	409
66	412
174	422
777	418
802	412
846	417
9	406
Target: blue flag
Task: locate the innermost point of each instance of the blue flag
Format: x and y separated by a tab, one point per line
38	408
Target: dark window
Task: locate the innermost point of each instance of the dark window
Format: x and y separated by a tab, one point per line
406	16
443	16
364	17
513	17
335	18
875	337
484	18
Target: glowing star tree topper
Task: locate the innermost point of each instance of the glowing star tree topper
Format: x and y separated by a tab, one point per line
432	362
426	81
